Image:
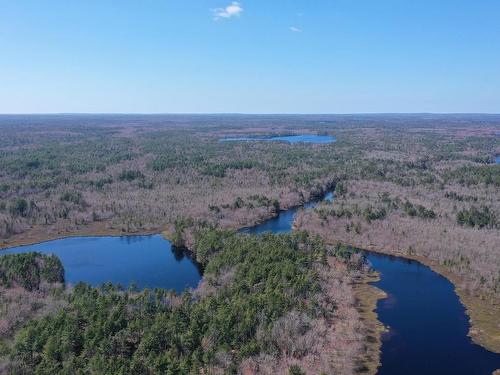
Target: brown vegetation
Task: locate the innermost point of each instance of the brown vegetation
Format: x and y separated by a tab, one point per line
267	303
421	186
346	340
72	178
469	256
30	288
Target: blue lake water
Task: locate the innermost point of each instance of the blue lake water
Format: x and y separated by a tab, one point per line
497	159
292	139
428	324
147	261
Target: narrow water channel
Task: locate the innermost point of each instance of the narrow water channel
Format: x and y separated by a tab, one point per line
427	323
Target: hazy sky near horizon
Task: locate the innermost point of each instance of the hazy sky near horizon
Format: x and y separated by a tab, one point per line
251	56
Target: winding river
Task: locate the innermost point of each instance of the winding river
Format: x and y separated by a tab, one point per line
427	323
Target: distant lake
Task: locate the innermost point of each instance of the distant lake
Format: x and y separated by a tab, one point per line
497	159
292	139
147	261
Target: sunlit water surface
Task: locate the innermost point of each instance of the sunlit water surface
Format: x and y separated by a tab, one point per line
147	261
428	325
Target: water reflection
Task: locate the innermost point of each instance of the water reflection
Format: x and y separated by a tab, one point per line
147	261
428	324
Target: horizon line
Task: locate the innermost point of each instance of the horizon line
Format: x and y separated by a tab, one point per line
242	113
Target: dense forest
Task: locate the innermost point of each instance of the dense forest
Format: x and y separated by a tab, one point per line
424	186
31	286
267	303
68	174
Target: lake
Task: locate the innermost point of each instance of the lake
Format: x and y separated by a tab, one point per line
147	261
427	323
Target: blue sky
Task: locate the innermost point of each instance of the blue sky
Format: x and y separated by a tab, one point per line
251	56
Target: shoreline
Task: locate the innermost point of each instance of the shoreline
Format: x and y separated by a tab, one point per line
88	231
483	329
367	297
39	233
482	313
